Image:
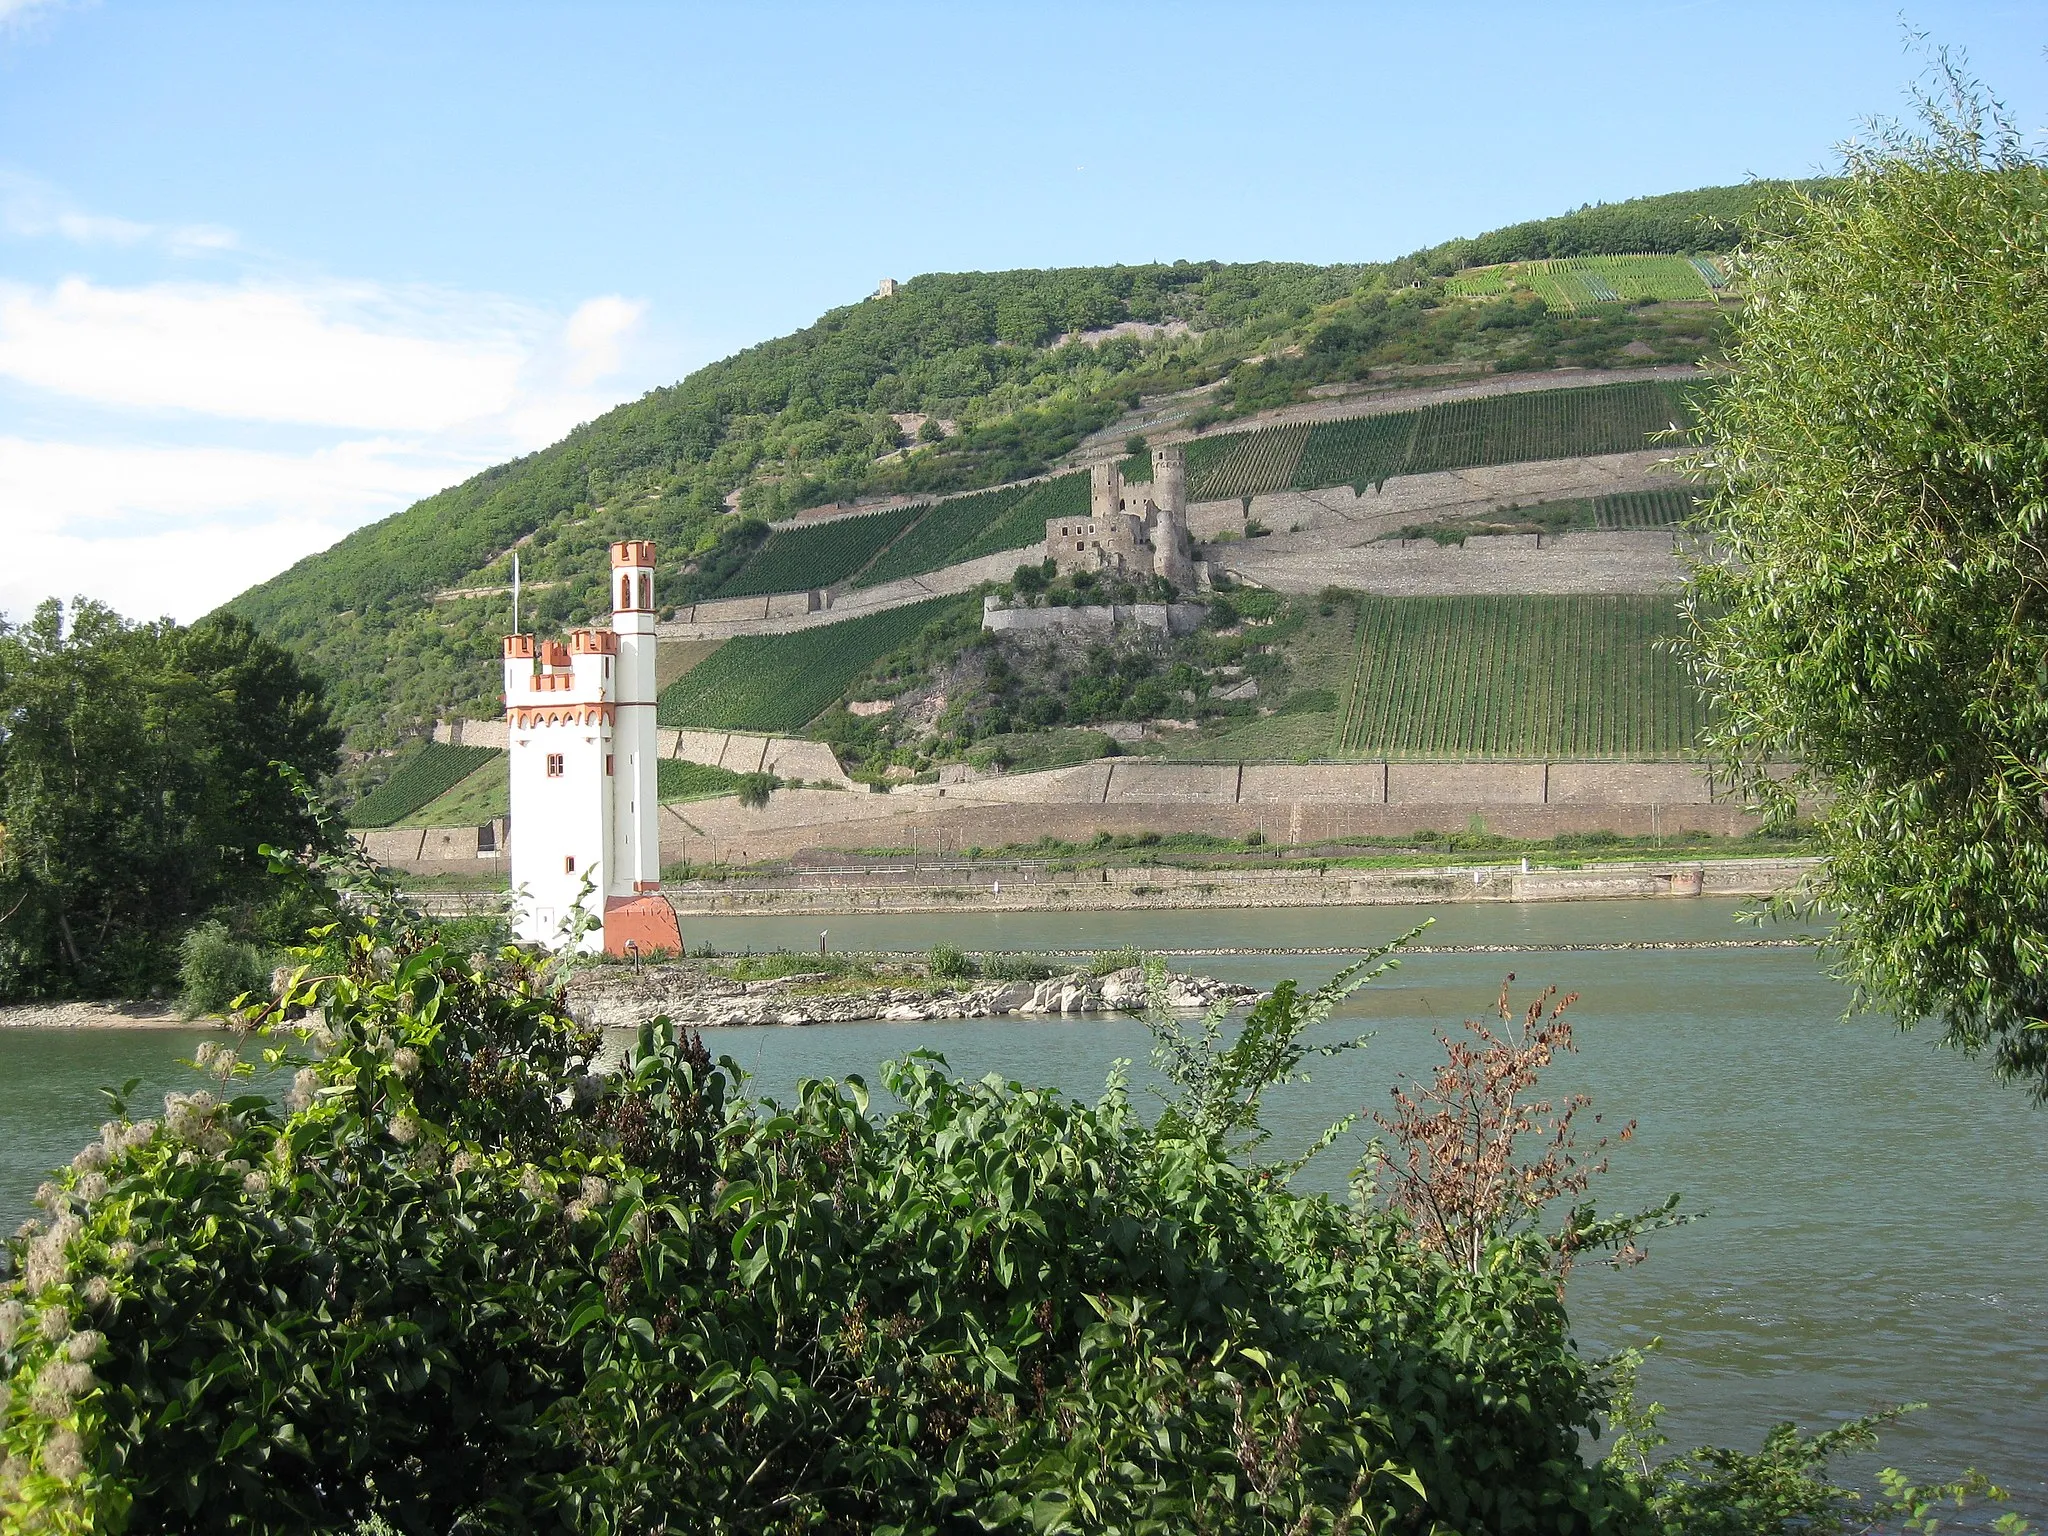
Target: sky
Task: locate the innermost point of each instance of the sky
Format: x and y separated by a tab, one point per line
271	272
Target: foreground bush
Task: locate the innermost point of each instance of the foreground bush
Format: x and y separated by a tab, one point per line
455	1279
456	1282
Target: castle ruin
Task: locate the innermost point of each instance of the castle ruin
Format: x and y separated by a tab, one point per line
1132	530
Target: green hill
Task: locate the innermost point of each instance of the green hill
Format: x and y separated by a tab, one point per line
807	418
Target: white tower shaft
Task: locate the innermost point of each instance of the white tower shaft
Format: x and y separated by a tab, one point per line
636	822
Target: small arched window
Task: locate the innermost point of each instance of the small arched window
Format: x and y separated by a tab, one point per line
626	591
646	590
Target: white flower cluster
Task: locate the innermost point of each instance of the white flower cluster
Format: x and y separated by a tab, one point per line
45	1264
118	1136
305	1085
536	1186
64	1455
12	1314
195	1118
217	1059
405	1061
593	1195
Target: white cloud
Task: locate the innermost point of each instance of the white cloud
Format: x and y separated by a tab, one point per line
595	334
197	437
258	353
179	530
400	392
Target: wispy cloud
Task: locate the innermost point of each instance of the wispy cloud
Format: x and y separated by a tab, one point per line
156	529
353	357
14	12
397	391
34	210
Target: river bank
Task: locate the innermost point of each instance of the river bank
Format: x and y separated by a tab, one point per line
100	1015
1053	888
716	994
1059	886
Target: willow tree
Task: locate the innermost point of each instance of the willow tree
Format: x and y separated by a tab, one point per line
1877	608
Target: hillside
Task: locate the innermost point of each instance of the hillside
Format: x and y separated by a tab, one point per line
1006	358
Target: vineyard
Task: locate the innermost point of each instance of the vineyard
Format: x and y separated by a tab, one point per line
1458	434
1543	424
946	528
1579	282
1360	452
780	682
1367	450
1644	509
1261	461
424	777
1024	522
678	780
1518	677
797	559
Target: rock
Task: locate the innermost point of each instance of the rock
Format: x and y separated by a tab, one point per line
621	997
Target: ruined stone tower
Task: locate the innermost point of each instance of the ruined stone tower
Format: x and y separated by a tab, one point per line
1131	530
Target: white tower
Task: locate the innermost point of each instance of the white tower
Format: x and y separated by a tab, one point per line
636	828
586	836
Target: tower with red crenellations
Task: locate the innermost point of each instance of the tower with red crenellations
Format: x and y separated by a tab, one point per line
580	733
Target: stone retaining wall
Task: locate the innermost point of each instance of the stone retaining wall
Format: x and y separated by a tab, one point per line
958	890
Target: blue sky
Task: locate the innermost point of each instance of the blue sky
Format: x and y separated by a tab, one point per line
268	272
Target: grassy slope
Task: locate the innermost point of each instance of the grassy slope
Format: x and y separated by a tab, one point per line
803	418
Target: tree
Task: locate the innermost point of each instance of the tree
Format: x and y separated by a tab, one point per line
1876	609
135	788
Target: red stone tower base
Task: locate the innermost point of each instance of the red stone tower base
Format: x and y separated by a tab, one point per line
646	922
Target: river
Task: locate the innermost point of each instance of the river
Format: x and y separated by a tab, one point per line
1876	1208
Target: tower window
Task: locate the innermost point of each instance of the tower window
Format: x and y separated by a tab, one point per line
646	590
554	765
607	765
569	864
626	591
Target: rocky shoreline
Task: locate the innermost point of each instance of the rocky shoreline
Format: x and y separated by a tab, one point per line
98	1015
620	997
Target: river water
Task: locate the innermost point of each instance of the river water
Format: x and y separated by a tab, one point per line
1876	1209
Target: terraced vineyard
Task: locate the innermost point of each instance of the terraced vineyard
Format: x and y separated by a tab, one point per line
780	682
1359	452
796	559
1367	450
1261	462
936	539
678	780
1518	677
1575	283
424	777
1023	523
1644	509
1544	424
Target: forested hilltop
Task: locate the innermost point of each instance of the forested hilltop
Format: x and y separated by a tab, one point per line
958	380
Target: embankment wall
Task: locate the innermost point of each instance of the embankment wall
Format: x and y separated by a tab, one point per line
954	889
1288	804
